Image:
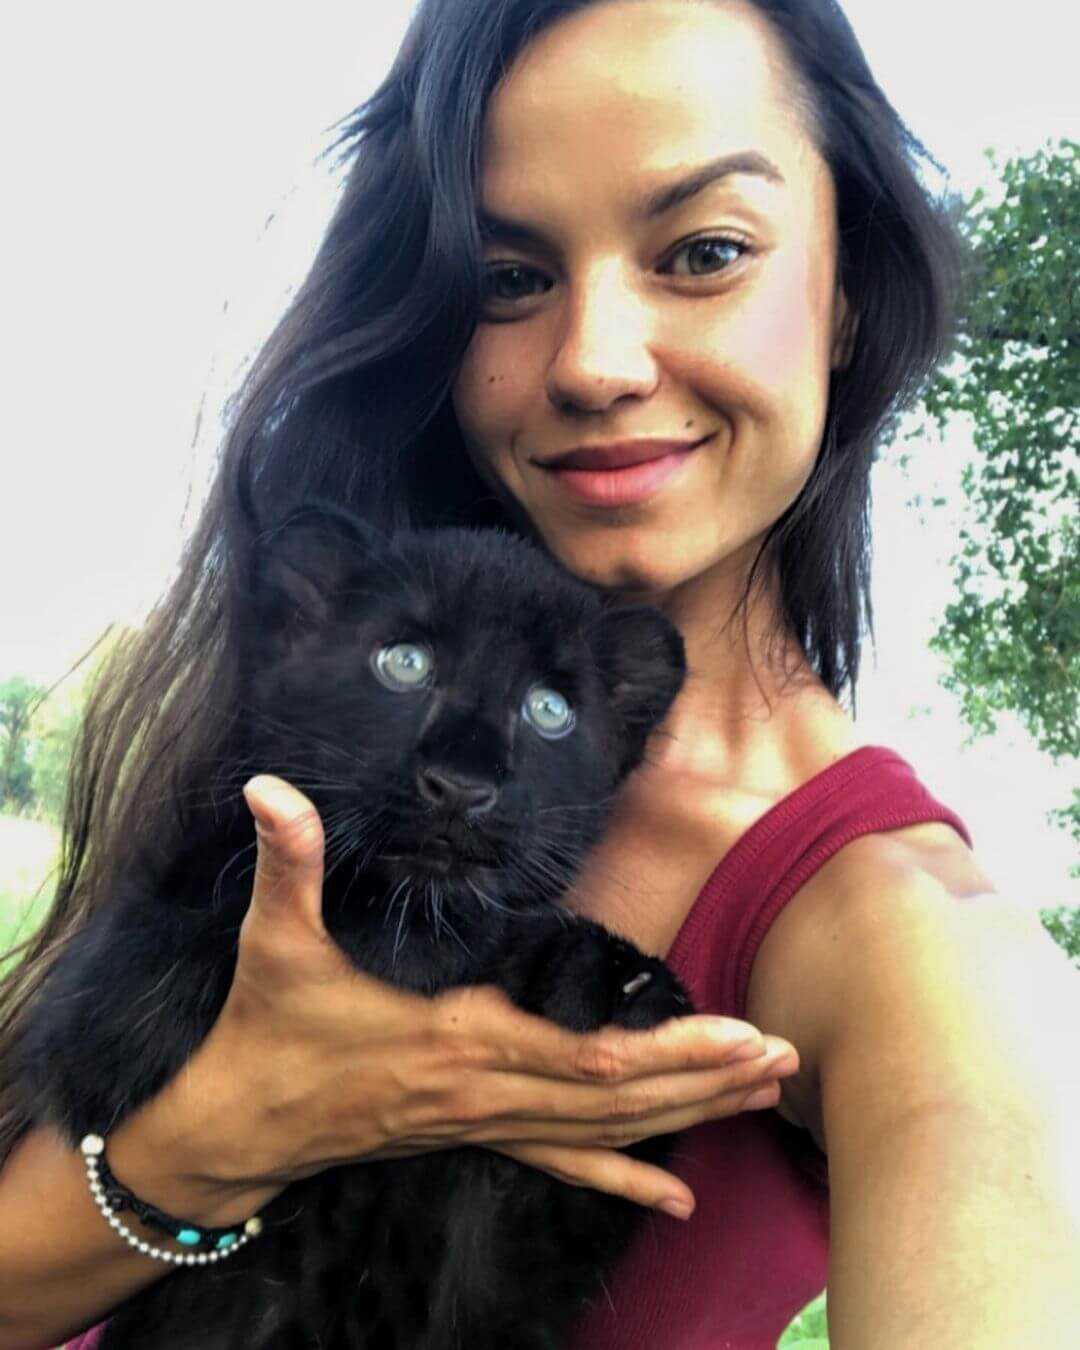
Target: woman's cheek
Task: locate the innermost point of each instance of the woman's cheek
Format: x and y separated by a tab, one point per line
483	403
782	340
499	398
481	388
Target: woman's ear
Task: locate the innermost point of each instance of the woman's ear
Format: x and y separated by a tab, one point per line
845	327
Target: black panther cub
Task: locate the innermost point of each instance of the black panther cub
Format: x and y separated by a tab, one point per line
461	713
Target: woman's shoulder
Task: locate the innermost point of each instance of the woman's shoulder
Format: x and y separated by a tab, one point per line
880	898
899	952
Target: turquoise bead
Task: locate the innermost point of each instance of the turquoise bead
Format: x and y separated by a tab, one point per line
189	1236
226	1241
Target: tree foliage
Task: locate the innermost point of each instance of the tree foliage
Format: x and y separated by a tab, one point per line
19	700
53	737
1063	925
38	728
1011	635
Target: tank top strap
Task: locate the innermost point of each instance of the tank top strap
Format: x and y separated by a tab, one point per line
870	790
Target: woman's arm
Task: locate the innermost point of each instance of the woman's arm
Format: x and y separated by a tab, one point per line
63	1267
940	1026
312	1064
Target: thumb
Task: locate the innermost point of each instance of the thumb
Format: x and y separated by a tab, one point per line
289	861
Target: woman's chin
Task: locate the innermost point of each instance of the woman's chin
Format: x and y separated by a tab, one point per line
619	572
644	566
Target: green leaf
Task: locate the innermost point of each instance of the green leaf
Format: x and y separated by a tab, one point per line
1011	635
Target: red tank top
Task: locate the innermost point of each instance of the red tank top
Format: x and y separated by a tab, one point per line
755	1251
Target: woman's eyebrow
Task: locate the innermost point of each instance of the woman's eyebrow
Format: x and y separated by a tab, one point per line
664	199
506	230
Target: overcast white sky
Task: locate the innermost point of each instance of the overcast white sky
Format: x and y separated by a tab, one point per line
144	148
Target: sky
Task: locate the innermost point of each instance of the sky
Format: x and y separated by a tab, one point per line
162	197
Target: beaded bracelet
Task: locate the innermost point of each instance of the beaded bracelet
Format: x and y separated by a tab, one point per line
211	1244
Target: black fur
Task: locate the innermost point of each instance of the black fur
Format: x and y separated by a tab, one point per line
457	1250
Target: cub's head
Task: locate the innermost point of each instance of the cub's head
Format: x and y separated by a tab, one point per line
457	707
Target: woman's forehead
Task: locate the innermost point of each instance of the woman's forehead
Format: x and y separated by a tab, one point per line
642	89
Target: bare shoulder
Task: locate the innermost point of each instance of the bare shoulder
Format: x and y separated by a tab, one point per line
936	1027
903	979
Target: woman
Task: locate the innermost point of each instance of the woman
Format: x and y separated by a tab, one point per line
643	279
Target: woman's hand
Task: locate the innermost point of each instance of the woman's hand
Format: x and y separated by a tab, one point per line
312	1063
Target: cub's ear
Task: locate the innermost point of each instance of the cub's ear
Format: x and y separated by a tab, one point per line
642	662
297	569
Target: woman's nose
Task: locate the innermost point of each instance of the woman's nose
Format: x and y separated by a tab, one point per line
604	346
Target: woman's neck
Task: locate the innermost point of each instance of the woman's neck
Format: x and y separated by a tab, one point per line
752	711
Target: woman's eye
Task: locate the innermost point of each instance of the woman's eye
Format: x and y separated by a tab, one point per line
548	712
403	665
708	255
513	281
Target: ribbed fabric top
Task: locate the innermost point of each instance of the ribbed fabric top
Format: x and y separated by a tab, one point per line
756	1249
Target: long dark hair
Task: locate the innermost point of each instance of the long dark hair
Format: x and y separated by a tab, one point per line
349	399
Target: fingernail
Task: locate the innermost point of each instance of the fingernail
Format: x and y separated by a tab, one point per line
751	1049
255	805
782	1063
762	1098
678	1209
729	1032
737	1039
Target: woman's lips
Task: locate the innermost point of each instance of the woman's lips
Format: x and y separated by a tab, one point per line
623	486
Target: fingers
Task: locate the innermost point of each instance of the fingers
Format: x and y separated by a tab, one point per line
523	1043
605	1170
622	1114
289	865
616	1055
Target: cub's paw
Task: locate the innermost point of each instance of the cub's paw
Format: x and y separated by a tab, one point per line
578	974
644	991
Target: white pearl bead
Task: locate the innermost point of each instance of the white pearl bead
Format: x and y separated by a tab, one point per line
94	1145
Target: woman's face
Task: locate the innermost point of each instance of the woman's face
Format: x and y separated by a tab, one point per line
638	291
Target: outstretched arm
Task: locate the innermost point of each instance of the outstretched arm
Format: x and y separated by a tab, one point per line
940	1027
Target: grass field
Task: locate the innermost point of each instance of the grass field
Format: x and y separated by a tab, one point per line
810	1330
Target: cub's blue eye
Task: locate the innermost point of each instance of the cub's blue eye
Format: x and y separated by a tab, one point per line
404	665
548	712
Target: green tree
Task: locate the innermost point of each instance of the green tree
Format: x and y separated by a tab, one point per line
1063	925
19	700
53	737
1011	635
38	727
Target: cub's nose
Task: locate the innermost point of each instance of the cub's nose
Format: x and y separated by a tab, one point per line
455	793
